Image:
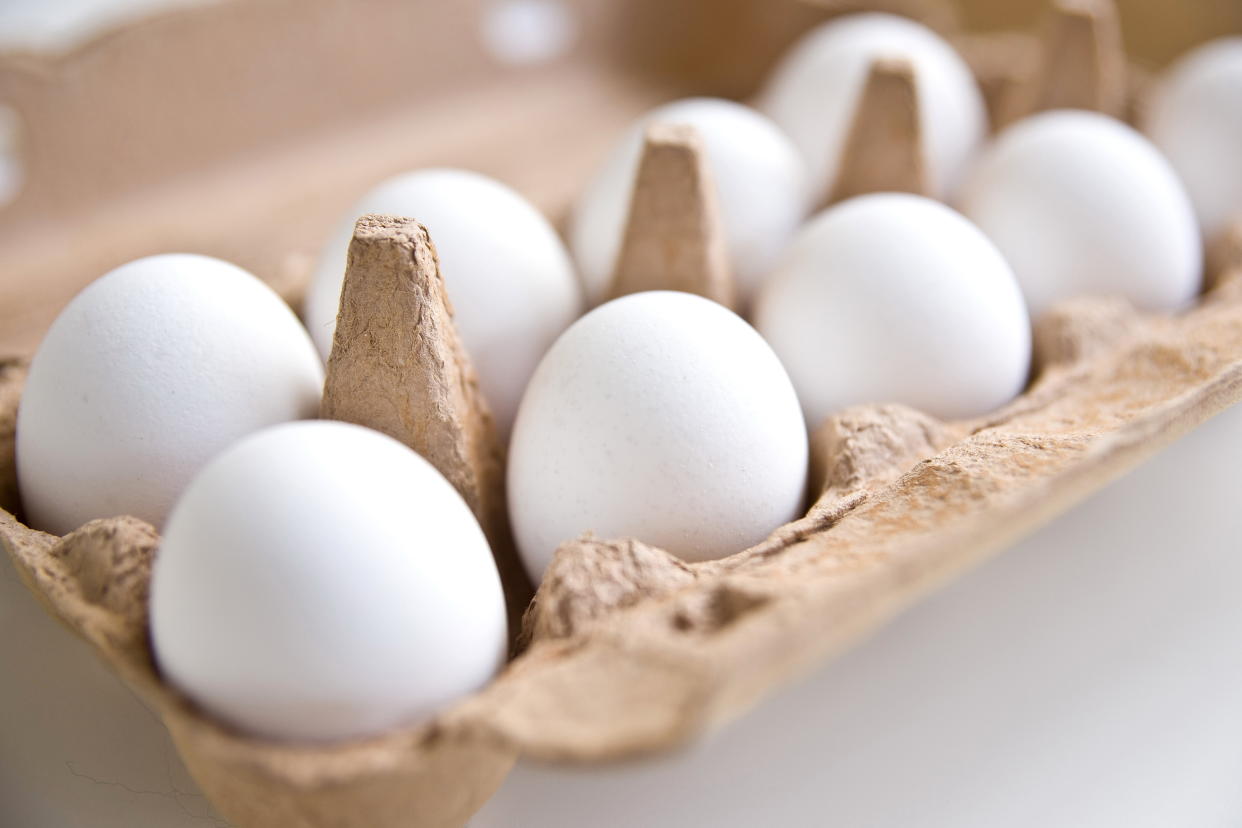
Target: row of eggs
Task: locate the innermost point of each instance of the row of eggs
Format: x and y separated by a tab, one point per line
318	580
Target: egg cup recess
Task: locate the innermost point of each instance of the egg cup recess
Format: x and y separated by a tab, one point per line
629	650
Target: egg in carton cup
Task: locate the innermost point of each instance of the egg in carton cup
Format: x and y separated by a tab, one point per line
626	650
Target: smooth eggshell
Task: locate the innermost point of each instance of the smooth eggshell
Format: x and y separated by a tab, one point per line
1194	116
814	91
661	416
897	298
759	176
321	581
508	276
145	375
1079	203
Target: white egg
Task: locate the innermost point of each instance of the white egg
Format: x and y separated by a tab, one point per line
897	298
1195	117
759	176
321	581
661	416
508	276
144	376
1079	203
814	91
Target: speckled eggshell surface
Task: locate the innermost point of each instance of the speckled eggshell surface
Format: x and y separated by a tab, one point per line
508	275
897	298
759	177
1081	204
321	581
814	91
661	416
149	372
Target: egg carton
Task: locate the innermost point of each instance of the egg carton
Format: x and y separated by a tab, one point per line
626	650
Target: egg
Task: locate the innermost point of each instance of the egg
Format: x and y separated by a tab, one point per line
1194	116
897	298
509	278
145	375
1080	203
760	182
661	416
814	91
320	581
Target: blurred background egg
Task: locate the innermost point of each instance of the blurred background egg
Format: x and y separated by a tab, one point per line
1194	115
661	416
508	276
1079	203
897	298
759	176
144	376
814	90
322	581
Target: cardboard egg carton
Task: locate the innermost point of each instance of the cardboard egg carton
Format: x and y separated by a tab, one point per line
626	650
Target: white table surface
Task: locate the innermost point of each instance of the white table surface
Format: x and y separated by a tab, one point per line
1090	676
